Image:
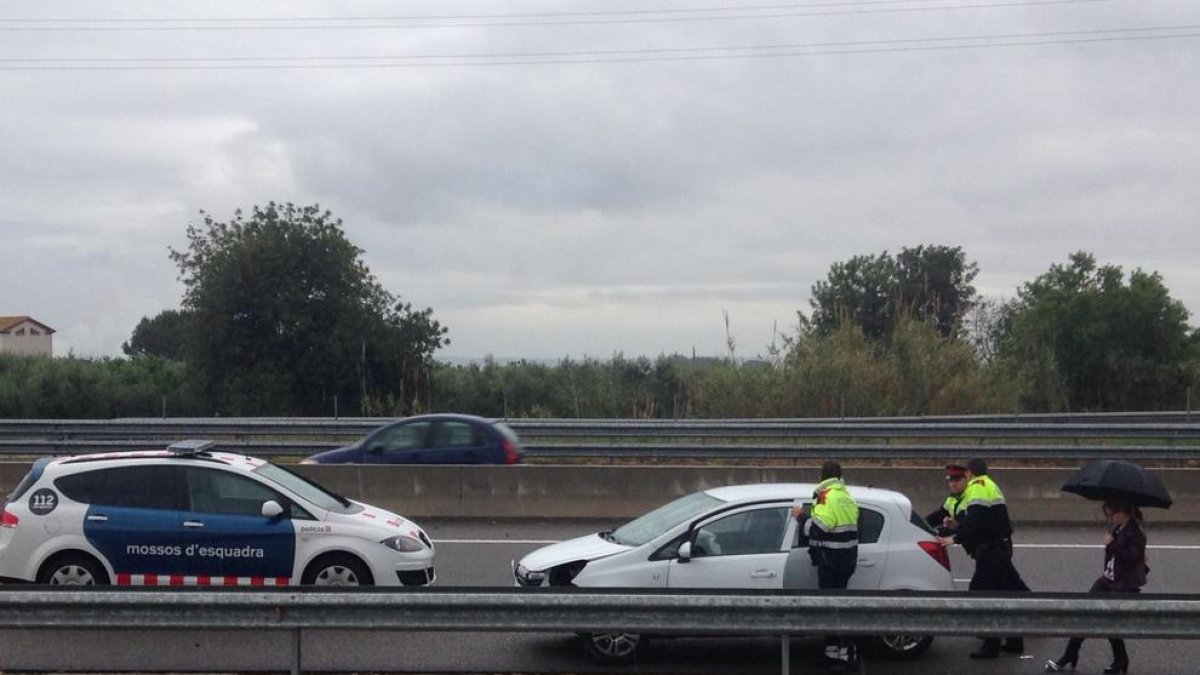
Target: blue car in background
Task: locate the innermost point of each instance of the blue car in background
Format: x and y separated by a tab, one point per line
431	439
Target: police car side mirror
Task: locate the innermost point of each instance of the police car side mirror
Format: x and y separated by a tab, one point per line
685	551
271	509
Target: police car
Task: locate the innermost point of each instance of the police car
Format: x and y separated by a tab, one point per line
191	516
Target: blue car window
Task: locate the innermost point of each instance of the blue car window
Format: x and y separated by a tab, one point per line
400	437
455	435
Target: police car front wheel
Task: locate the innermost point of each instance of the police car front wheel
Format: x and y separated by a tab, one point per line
337	570
72	569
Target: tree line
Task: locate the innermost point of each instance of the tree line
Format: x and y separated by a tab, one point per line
280	316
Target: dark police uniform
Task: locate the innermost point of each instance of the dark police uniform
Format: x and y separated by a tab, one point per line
985	532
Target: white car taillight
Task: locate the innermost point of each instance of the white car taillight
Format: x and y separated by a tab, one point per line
937	552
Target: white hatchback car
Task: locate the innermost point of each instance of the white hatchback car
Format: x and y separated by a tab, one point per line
742	537
187	516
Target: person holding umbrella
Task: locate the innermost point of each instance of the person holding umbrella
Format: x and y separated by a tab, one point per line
1123	487
1124	572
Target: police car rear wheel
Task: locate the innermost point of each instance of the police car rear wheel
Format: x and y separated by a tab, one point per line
73	570
337	570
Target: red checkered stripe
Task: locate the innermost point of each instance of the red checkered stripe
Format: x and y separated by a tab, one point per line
182	580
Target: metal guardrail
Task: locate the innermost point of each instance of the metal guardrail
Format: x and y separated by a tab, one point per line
657	439
784	614
548	452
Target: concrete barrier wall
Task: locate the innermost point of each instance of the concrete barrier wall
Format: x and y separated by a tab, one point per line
618	492
539	491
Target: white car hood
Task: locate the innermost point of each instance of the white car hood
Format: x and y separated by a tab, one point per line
589	547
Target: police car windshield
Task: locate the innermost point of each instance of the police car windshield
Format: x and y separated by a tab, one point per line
306	489
649	526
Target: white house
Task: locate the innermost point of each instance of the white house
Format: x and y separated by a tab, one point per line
25	336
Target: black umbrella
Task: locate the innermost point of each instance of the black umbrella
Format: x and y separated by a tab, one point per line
1118	481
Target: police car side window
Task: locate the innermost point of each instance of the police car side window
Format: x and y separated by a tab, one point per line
141	487
215	491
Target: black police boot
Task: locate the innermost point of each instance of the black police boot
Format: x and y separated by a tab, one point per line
1014	645
989	650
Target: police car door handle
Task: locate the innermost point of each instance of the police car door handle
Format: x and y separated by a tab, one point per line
192	523
762	574
97	518
866	562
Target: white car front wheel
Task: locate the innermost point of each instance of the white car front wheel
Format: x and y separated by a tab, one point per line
902	647
613	648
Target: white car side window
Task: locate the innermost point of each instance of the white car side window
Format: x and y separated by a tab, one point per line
743	533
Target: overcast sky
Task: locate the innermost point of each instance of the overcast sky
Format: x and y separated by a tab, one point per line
584	178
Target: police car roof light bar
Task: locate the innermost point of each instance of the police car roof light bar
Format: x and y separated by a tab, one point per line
190	447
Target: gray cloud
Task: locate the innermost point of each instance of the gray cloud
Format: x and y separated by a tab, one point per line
545	210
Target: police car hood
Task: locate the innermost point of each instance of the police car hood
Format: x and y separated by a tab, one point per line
589	547
385	519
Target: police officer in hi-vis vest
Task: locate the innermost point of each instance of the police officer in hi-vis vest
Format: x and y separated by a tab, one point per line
985	533
832	531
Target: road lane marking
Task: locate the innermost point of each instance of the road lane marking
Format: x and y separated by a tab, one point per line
545	542
497	541
1152	547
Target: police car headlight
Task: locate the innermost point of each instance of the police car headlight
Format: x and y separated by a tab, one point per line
403	544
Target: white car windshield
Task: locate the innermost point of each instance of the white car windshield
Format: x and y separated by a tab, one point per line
647	527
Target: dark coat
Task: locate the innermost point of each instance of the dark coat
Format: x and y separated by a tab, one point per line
1125	558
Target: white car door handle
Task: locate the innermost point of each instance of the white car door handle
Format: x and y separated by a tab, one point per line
192	523
866	562
98	519
762	574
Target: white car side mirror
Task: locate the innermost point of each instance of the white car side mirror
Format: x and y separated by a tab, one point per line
685	551
271	509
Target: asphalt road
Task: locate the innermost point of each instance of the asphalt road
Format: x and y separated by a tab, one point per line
479	554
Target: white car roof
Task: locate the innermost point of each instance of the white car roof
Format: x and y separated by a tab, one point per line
762	491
